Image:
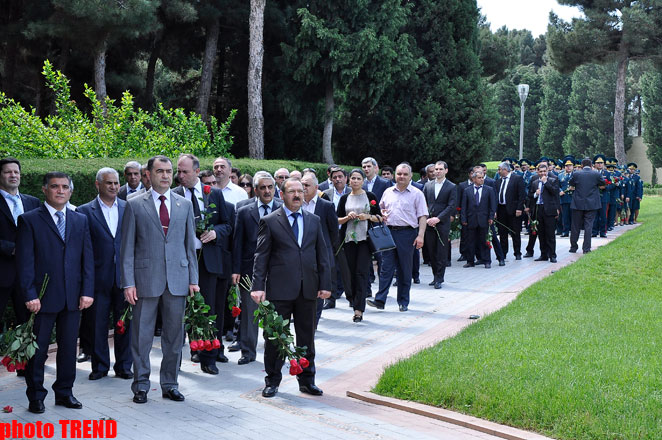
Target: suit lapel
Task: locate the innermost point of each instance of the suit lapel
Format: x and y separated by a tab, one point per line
285	223
255	213
148	206
4	207
46	216
96	208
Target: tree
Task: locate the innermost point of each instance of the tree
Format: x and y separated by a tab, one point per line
353	48
554	112
612	31
210	15
651	90
255	59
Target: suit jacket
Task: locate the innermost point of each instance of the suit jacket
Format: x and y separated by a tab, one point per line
587	183
478	215
245	202
150	260
8	231
324	185
442	206
226	243
281	267
550	195
326	211
491	183
106	247
212	252
515	193
124	191
329	193
142	190
378	187
69	263
245	237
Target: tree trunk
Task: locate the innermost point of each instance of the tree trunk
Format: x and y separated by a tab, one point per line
220	79
328	125
204	92
639	117
148	98
619	108
100	73
255	58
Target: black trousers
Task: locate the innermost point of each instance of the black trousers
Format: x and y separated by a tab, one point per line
358	255
581	218
476	240
547	234
303	311
214	290
109	302
509	225
438	250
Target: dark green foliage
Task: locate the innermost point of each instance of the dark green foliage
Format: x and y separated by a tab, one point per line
651	90
554	113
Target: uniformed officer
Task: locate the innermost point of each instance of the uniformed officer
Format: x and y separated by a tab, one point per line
637	192
615	201
600	223
565	194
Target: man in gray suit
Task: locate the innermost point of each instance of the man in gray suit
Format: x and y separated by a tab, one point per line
587	184
159	265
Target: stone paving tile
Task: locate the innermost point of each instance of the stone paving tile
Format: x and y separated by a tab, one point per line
350	356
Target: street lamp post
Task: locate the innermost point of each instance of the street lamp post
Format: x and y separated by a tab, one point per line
523	90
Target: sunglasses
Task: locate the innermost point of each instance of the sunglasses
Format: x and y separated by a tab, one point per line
246	184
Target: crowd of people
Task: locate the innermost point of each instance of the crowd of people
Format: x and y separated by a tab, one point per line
302	242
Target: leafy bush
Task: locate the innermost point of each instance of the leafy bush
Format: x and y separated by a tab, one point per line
109	131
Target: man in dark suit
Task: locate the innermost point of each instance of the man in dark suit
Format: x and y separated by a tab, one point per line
461	187
440	195
159	268
329	222
373	182
586	185
291	270
12	204
510	205
338	188
244	242
56	241
544	192
104	216
132	176
213	277
328	183
477	214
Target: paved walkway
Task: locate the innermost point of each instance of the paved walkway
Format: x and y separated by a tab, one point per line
350	358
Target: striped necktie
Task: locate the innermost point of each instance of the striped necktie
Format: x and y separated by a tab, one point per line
61	227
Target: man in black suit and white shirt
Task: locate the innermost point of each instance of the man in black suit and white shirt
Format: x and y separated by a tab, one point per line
373	182
291	270
440	195
587	184
511	193
12	204
133	184
477	214
544	194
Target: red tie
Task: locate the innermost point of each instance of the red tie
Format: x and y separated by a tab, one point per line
163	215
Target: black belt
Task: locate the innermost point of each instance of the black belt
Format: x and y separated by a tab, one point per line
399	228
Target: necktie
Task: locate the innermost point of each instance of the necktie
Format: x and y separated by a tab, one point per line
196	205
17	209
131	191
61	226
295	225
163	215
266	210
502	193
540	202
477	195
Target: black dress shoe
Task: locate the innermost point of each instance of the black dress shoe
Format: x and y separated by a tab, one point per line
158	331
468	265
96	375
195	358
594	235
222	358
140	397
83	358
603	235
572	250
36	406
502	263
395	283
437	285
528	255
311	389
586	252
518	257
541	258
209	369
565	235
431	283
488	265
375	303
173	394
417	281
124	374
403	308
69	402
20	373
245	360
462	258
329	304
234	347
552	260
269	391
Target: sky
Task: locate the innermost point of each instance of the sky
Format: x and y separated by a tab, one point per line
524	14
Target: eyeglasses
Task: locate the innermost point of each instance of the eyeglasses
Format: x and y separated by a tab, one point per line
246	184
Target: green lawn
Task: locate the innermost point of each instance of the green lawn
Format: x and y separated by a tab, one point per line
577	355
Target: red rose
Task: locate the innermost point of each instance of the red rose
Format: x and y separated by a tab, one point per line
206	189
304	362
236	311
208	345
194	346
120	323
6	360
21	365
296	370
7	409
11	368
534	232
201	344
607	181
459	208
293	362
373	202
216	343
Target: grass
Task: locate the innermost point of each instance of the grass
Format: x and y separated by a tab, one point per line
578	355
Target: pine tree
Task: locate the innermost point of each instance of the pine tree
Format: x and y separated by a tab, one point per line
651	91
554	112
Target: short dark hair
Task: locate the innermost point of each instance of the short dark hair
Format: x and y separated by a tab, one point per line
205	173
160	157
441	162
586	162
482	165
389	169
359	171
56	175
8	160
236	171
337	169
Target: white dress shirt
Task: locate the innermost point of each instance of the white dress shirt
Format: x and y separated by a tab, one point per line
52	212
197	191
504	187
260	210
111	214
290	219
310	206
370	183
437	187
10	201
157	202
234	193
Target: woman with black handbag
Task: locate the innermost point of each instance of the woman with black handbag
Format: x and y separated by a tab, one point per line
355	210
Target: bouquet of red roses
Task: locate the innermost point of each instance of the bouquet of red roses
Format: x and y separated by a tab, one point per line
233	301
200	325
19	345
203	223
